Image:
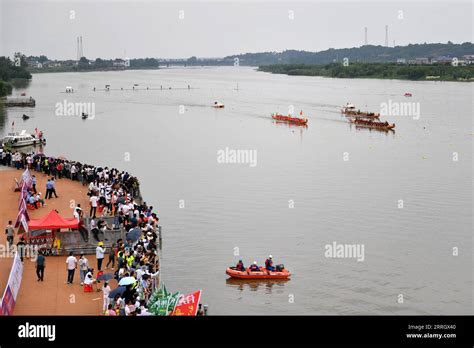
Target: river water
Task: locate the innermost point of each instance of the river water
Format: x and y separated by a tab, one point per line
403	196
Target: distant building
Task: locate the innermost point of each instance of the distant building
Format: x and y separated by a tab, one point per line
51	64
469	58
119	63
443	60
32	63
401	61
419	61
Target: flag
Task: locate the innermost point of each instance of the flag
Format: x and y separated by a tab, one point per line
188	304
162	302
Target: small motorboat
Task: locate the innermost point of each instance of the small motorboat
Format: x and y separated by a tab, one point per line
19	139
350	111
25	117
280	273
218	105
408	94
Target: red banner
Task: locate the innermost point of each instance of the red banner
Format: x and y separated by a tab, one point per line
188	304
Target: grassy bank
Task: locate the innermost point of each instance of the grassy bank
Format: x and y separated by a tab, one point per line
9	72
376	71
5	88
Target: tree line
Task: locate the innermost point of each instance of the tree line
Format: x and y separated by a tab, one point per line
376	70
10	70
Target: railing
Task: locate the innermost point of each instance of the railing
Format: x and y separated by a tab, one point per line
89	241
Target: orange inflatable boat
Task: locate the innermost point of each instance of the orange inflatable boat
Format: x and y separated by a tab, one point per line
263	274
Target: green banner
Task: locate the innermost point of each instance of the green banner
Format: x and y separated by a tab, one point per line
162	302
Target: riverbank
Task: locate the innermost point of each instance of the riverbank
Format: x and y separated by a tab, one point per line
386	71
52	296
74	69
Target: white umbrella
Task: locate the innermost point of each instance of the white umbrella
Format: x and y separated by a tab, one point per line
127	281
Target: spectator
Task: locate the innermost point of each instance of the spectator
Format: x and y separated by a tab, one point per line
83	267
40	265
100	253
71	263
10	232
106	292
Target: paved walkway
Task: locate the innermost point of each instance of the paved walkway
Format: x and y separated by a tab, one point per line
52	296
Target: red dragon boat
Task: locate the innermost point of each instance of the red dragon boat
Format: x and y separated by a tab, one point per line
290	119
373	124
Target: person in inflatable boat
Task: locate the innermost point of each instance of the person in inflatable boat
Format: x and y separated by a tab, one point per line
269	264
240	266
254	267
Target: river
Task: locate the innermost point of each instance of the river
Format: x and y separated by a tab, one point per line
405	196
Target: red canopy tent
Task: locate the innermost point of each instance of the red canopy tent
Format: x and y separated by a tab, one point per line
52	221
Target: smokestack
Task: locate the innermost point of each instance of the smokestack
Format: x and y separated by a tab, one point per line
386	36
77	49
82	49
365	41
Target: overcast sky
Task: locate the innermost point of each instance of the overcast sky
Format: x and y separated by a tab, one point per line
112	29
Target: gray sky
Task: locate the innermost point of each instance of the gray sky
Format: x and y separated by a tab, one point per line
143	28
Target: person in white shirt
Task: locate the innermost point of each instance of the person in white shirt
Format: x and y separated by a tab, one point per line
89	279
124	208
39	199
73	171
71	263
78	212
100	254
93	201
106	291
129	308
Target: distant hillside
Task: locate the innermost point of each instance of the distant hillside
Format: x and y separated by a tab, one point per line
363	54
